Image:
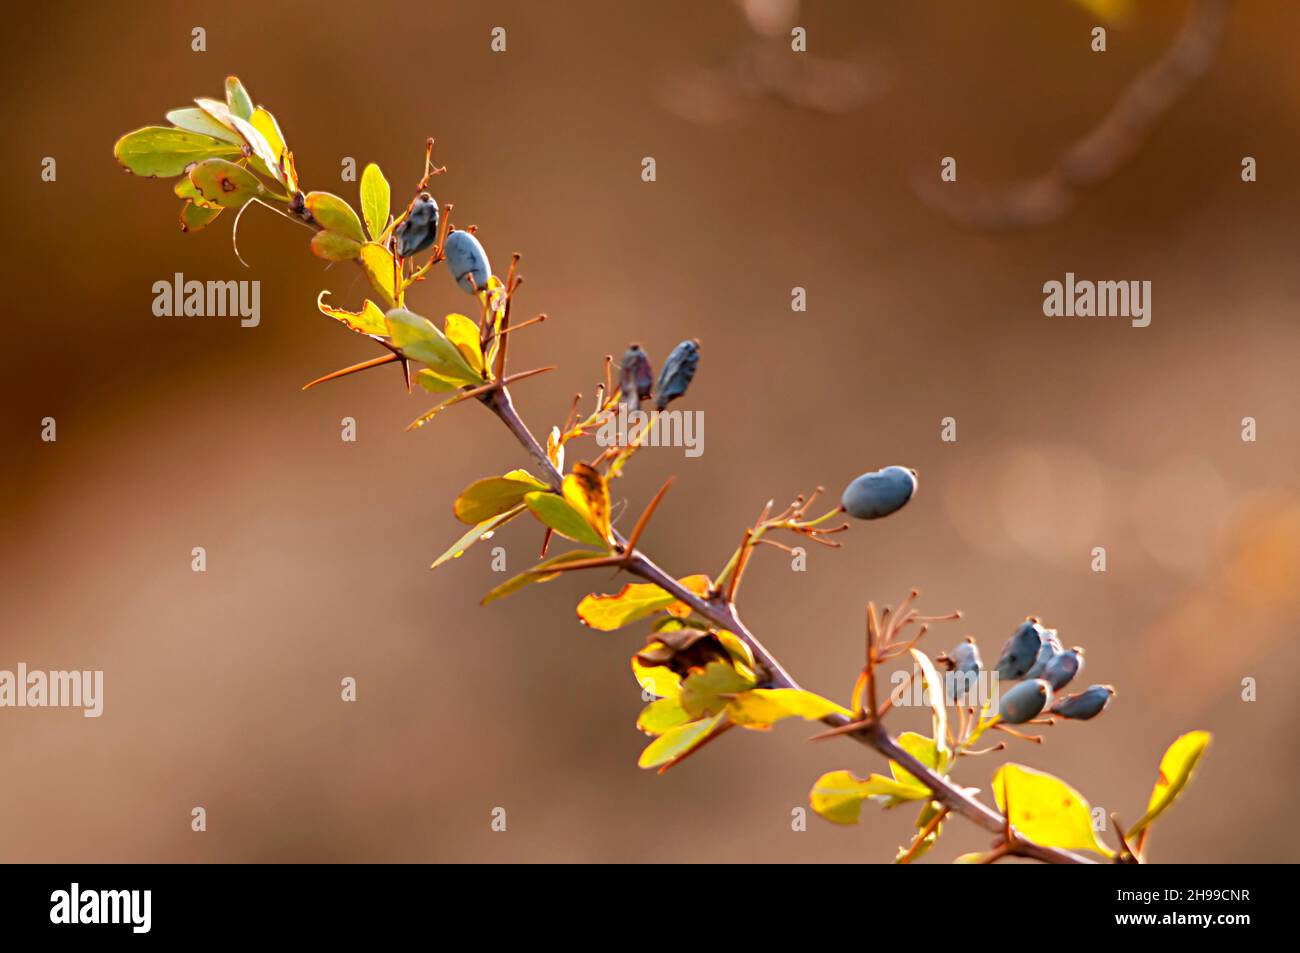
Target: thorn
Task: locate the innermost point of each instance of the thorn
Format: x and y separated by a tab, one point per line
355	368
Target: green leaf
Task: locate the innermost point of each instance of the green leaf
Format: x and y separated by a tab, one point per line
662	715
237	98
220	112
196	120
263	159
1046	810
434	382
379	267
483	530
538	573
166	151
676	742
375	200
484	499
838	795
764	707
333	246
335	215
1176	767
197	217
557	513
635	601
185	189
934	690
369	320
226	184
705	692
418	339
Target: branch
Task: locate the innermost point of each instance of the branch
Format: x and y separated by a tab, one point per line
723	614
1104	148
721	610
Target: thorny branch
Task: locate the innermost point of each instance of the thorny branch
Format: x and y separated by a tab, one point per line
722	613
720	609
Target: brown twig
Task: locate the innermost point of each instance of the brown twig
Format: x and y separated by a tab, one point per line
1105	147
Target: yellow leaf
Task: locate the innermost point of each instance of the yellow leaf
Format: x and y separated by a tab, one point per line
1046	810
924	750
1175	771
661	715
463	333
635	601
934	690
658	680
369	320
380	269
542	572
265	123
763	707
676	742
484	499
483	530
375	198
587	493
704	691
838	795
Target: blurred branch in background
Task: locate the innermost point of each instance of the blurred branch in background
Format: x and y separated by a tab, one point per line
765	69
1103	149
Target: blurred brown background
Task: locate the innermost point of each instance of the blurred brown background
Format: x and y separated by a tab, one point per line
222	689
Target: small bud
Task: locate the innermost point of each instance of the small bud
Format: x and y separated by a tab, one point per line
1025	701
467	261
1020	651
878	494
677	373
419	229
1088	703
1063	667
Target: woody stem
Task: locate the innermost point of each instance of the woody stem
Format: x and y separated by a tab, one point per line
724	615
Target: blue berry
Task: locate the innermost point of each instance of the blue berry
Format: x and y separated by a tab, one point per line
636	377
1020	651
677	373
1063	667
966	657
419	229
1088	703
880	493
1025	701
467	261
1050	648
